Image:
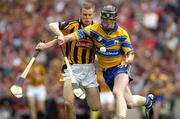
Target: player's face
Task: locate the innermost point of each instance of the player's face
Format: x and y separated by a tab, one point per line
108	24
87	16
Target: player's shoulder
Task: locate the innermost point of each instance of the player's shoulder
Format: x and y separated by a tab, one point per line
74	22
93	26
96	25
66	23
122	31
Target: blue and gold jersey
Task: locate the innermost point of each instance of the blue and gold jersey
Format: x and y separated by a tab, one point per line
117	44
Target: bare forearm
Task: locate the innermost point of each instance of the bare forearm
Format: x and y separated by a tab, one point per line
69	37
51	43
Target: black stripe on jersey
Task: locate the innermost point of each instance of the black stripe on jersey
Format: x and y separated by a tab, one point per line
83	56
90	56
68	45
75	54
67	48
79	26
72	30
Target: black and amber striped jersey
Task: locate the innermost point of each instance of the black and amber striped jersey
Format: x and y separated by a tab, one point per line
78	52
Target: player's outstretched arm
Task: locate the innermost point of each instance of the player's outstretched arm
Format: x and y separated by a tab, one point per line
67	38
43	46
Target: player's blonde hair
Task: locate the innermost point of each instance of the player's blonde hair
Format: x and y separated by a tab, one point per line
87	5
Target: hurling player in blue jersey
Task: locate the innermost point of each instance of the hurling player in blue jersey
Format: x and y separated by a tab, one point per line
115	55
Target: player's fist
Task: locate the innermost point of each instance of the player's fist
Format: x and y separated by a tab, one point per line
60	39
41	46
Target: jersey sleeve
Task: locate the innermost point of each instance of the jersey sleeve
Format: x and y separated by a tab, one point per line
67	26
82	33
127	46
63	25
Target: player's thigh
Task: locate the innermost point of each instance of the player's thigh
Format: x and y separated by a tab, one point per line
106	97
30	95
31	102
93	98
120	83
128	95
41	105
30	91
41	93
107	101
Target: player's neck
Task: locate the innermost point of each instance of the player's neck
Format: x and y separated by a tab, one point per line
109	30
84	25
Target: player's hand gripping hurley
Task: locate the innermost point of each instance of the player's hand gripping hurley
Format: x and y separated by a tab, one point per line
78	92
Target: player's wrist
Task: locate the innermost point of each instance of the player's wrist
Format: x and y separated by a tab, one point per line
59	36
127	61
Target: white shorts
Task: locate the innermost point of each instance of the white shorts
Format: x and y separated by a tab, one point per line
39	92
84	74
106	97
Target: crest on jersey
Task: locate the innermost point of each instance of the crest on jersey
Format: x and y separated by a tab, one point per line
116	41
99	38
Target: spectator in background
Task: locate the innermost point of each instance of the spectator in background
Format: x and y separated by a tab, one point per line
36	91
161	85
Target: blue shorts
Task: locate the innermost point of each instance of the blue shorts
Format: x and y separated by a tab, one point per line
110	74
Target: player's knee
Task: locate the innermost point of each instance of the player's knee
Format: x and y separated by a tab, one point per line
117	93
129	105
95	108
69	103
31	105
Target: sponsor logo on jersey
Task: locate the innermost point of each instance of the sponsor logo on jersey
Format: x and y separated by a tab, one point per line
84	44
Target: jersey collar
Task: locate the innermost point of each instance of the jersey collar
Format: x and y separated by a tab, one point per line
113	30
115	27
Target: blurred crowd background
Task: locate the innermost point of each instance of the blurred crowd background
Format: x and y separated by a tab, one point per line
154	29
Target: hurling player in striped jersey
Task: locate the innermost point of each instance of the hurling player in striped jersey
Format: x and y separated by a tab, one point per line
115	56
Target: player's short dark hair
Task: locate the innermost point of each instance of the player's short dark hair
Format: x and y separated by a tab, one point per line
87	5
109	12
